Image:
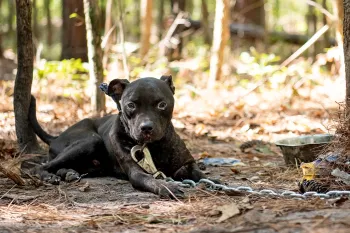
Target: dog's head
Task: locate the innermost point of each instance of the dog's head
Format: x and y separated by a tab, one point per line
146	105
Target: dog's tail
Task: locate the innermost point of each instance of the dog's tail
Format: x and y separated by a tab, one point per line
47	138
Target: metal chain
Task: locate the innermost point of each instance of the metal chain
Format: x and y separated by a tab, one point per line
210	185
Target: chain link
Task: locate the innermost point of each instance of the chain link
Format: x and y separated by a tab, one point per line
264	192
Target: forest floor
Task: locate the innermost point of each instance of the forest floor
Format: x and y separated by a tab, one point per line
213	124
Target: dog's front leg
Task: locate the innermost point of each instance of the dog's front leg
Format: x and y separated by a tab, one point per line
139	178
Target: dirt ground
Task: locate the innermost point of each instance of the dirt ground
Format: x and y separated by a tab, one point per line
111	205
211	127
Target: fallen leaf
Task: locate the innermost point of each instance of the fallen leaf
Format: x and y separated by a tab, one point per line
85	187
234	170
228	211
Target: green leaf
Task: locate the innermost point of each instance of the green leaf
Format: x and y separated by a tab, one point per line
73	15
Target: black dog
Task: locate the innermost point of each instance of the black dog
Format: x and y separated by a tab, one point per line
102	145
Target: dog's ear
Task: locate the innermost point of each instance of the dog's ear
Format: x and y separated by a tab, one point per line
169	80
115	89
117	86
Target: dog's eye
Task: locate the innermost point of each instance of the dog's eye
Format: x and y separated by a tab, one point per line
131	106
162	105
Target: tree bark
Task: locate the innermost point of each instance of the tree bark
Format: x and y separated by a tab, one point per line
49	22
73	39
26	138
1	49
250	12
35	21
205	22
146	24
160	20
346	29
11	16
220	38
92	17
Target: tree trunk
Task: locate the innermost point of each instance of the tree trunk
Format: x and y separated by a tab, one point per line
311	20
346	29
326	36
176	7
339	10
73	39
108	27
35	21
92	17
49	23
1	49
136	35
146	24
205	22
11	16
25	135
220	38
250	12
160	19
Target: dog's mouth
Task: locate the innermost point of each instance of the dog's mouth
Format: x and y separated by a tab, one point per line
146	138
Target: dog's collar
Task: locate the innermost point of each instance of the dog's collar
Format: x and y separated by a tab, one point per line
146	163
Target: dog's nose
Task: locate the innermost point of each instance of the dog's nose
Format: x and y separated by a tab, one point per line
147	127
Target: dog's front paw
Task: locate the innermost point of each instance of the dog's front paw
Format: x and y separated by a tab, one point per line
170	190
51	178
45	176
68	175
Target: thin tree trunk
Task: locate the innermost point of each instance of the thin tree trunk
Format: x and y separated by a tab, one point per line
109	18
346	29
25	135
11	16
160	20
326	36
92	13
108	26
177	6
122	39
73	38
205	22
146	24
220	38
137	21
49	23
35	21
339	10
1	49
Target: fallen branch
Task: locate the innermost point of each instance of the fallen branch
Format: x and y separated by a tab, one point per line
310	42
11	174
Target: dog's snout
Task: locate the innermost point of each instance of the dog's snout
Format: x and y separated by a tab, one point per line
147	127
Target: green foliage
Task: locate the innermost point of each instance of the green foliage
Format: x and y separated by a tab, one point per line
70	74
257	64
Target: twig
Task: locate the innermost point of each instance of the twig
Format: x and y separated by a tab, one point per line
310	42
172	194
8	191
321	9
107	36
12	175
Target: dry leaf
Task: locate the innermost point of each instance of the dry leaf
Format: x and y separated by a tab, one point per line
85	187
228	211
